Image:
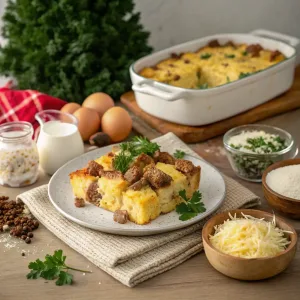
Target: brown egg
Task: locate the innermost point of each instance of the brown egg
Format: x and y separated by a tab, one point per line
117	123
100	102
70	107
88	122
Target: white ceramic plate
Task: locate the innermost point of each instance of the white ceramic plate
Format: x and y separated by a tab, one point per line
212	187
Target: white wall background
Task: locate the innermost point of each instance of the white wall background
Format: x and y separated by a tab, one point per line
175	21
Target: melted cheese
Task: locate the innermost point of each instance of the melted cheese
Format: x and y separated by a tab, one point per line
249	237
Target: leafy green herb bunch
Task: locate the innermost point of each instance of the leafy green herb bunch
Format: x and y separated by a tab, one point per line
72	48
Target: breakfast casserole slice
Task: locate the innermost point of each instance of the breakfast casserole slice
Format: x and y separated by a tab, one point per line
149	186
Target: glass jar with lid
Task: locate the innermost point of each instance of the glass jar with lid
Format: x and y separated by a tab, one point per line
19	159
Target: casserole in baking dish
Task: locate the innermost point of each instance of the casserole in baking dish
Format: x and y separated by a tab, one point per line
212	65
197	107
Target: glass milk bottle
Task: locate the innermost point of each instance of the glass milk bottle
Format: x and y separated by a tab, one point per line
19	160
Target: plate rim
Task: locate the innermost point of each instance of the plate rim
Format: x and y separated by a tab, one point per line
135	231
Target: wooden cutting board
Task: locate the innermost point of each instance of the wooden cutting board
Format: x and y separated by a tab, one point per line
189	134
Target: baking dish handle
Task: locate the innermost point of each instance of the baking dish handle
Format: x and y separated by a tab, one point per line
150	88
293	41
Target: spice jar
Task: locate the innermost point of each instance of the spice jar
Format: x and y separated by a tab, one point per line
19	160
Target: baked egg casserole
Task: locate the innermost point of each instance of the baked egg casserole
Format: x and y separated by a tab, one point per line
147	187
212	65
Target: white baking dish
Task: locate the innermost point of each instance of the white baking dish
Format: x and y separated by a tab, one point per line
199	107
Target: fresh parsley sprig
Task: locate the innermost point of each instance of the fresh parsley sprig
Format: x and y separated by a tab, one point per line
122	161
141	145
129	150
54	267
190	208
179	154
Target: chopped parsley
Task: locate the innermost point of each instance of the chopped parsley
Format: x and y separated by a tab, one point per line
243	75
203	86
248	165
190	208
228	79
205	56
244	53
230	55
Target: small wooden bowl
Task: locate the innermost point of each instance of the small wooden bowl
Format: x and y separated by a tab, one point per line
244	268
289	206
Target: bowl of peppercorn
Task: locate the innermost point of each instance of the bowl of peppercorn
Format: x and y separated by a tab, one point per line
251	149
16	219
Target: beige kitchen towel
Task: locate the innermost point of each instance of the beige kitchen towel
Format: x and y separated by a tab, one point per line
132	260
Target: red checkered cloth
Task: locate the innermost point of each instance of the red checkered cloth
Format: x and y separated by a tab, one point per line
16	105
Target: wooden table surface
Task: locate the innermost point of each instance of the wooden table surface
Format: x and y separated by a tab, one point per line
194	279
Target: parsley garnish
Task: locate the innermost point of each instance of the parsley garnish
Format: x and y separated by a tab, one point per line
141	145
245	53
205	56
228	79
122	161
190	208
229	55
203	86
243	75
179	154
132	149
52	268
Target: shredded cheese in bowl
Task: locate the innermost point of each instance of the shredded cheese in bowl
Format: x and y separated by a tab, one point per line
249	237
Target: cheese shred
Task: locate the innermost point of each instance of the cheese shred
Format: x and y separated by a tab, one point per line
249	237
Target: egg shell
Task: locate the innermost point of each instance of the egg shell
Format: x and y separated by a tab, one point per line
100	102
88	122
70	107
117	123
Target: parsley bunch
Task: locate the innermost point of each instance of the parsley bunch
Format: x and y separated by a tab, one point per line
72	48
53	267
190	208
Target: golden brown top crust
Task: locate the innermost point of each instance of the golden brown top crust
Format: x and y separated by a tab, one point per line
157	178
164	157
112	174
133	174
77	173
143	160
185	166
94	169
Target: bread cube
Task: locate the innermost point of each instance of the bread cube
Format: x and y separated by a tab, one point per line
142	205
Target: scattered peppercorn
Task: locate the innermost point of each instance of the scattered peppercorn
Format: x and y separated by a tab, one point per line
14	220
23	253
